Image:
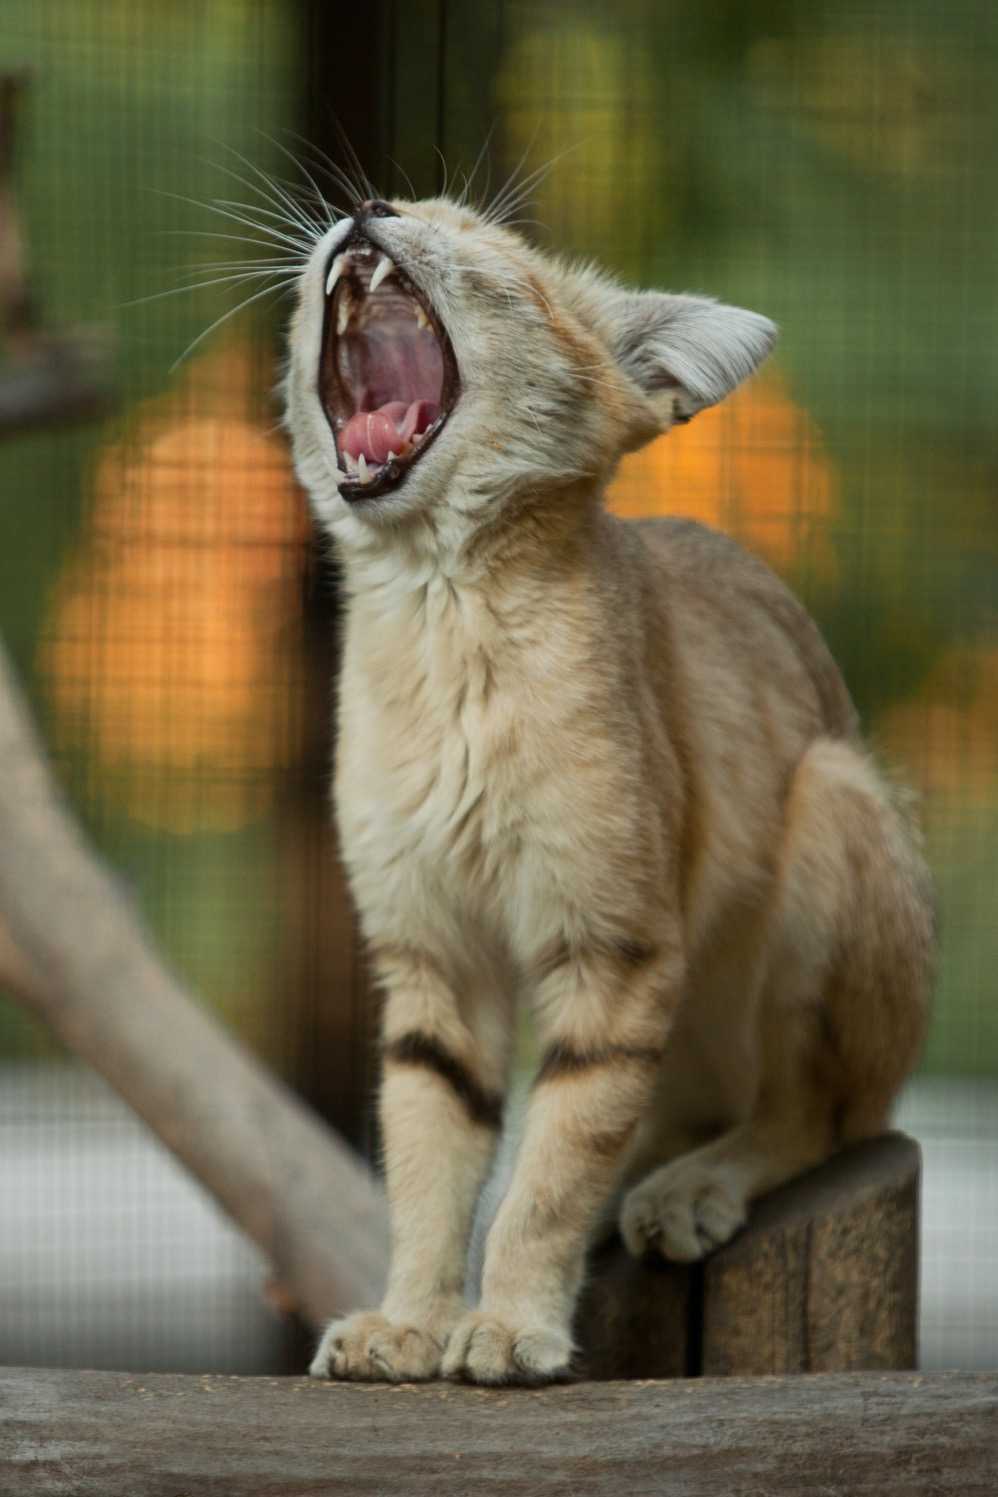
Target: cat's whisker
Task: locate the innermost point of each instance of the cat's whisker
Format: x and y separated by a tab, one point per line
325	163
276	195
443	191
274	189
320	197
295	241
519	223
281	286
490	213
225	280
255	208
515	198
469	180
244	265
408	180
237	239
366	187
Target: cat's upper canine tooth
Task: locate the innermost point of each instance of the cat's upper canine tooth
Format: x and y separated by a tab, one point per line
335	271
421	318
384	267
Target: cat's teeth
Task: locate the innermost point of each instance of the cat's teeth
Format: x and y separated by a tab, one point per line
421	318
391	455
343	316
365	476
351	463
335	271
385	267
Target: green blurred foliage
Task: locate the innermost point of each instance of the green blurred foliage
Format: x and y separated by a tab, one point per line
836	166
132	119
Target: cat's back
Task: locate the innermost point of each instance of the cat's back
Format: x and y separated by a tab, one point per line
735	626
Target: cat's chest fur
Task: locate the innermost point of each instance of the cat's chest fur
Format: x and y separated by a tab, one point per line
438	752
472	721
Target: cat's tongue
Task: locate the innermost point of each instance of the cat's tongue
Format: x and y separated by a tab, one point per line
391	428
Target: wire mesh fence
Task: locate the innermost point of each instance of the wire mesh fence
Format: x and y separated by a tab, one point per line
832	165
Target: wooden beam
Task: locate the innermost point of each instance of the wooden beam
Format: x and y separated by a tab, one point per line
102	1434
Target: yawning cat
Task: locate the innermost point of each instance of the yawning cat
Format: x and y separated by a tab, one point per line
606	768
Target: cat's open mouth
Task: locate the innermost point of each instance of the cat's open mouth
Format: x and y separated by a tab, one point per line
387	373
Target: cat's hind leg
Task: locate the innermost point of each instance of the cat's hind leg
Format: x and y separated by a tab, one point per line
842	1011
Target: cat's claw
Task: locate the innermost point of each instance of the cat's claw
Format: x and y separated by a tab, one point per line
484	1349
368	1348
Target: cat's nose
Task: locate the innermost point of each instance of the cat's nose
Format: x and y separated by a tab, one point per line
375	208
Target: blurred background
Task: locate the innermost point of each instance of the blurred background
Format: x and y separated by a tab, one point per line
834	165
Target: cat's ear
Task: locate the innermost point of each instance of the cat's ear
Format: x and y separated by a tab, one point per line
686	352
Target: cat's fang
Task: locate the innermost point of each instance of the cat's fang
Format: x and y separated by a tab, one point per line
362	469
335	271
384	268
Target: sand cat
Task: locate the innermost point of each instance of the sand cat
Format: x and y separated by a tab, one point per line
607	769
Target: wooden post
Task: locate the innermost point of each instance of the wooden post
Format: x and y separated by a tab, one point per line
823	1279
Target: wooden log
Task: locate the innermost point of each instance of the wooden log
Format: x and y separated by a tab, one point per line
99	1434
824	1278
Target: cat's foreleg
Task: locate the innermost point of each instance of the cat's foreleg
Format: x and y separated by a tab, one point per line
604	1032
444	1058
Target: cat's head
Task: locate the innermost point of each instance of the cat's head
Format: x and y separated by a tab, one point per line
438	361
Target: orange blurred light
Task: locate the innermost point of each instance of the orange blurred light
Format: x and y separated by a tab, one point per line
173	648
754	467
947	737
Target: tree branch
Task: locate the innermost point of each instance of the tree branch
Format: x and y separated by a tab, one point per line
75	954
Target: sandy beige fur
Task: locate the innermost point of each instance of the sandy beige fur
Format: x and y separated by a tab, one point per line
608	769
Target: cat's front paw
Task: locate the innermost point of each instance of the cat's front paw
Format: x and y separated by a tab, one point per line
681	1211
484	1349
368	1348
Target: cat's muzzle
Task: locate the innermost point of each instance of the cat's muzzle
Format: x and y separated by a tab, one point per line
388	378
